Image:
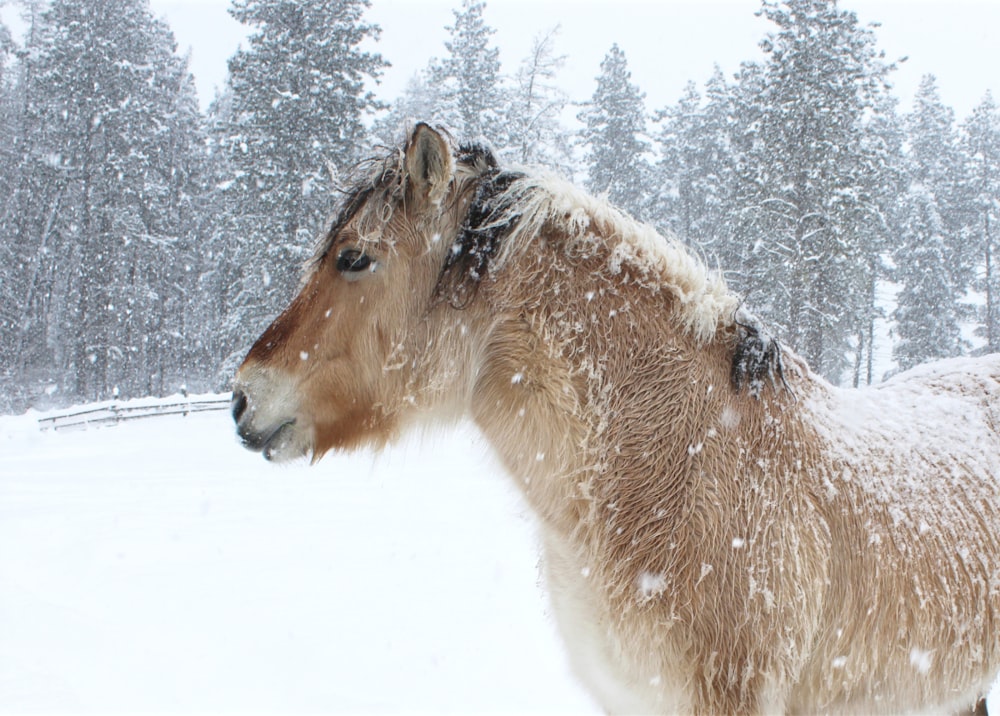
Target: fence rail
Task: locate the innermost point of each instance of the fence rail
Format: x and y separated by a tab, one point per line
114	413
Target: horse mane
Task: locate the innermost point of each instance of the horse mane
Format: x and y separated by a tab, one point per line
757	358
488	222
531	204
509	208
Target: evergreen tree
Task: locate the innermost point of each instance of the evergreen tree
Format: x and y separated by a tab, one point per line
7	49
933	261
8	164
181	170
982	147
30	201
94	212
534	129
8	112
926	316
677	169
296	112
805	166
223	257
467	81
881	185
420	101
696	172
937	166
615	136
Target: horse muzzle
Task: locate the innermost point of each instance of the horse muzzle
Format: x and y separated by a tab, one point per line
264	411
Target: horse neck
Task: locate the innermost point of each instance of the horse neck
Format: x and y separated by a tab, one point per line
583	377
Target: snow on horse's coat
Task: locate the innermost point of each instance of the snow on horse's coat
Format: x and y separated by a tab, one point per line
724	532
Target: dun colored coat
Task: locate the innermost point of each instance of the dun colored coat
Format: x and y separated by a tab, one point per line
724	532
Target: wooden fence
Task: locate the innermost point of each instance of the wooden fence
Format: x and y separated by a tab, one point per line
118	412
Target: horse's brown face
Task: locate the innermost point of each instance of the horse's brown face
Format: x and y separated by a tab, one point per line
342	365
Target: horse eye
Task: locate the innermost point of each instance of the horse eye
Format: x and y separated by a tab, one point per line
353	261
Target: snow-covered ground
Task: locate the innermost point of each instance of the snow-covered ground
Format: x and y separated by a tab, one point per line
156	566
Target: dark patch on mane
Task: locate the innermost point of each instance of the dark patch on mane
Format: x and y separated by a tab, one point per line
478	156
757	359
490	217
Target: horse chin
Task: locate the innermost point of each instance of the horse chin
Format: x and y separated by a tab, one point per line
283	442
287	444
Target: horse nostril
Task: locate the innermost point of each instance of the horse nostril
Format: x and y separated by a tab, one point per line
239	404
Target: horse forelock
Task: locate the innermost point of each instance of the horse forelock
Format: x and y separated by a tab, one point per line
371	186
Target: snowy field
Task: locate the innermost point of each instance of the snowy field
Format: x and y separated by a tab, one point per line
157	567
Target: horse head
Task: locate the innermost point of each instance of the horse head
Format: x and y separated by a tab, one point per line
372	338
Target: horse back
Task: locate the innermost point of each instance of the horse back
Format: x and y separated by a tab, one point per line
910	488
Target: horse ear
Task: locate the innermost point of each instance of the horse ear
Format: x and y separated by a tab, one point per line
428	162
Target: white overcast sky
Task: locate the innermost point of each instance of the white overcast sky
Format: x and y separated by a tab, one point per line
667	42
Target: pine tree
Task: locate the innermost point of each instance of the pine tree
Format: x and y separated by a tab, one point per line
468	81
181	168
7	50
933	260
804	165
296	112
982	147
936	164
419	102
881	184
8	113
927	318
92	215
8	165
221	256
615	136
696	171
28	192
534	129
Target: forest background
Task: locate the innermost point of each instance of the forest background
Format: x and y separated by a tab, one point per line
145	241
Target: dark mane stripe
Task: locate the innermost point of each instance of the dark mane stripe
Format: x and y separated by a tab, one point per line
477	156
487	221
757	358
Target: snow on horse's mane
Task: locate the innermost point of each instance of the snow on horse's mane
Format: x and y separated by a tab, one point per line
539	200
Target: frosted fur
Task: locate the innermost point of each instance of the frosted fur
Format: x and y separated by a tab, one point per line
549	201
911	467
710	546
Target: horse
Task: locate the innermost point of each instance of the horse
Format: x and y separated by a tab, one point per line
723	531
